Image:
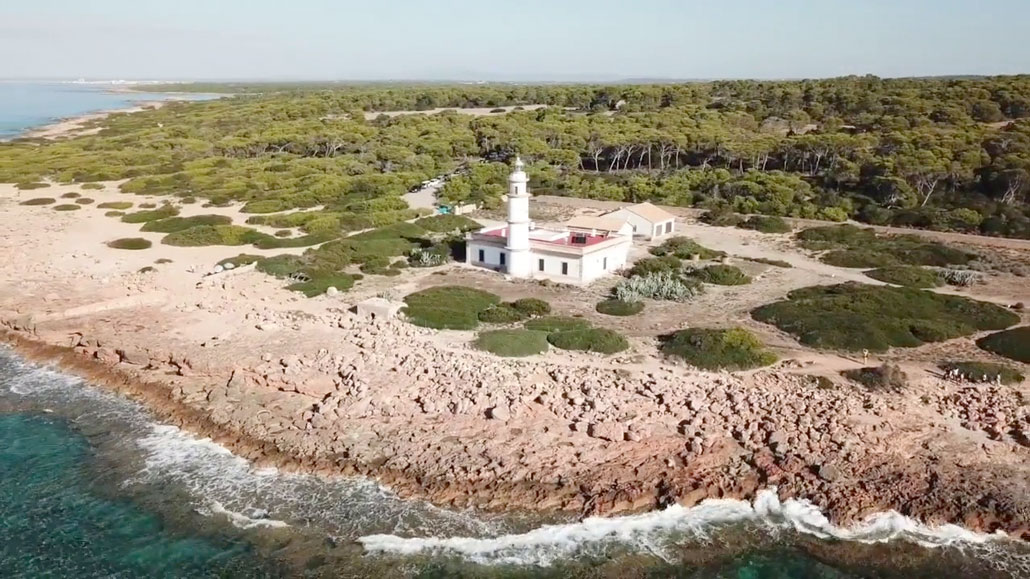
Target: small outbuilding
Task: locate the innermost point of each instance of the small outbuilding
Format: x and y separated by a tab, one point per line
378	308
647	220
593	225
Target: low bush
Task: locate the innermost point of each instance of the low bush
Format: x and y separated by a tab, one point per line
721	275
190	200
502	314
163	212
173	224
120	205
448	223
855	247
130	243
959	277
614	307
283	233
512	343
93	186
597	340
663	285
906	275
448	307
203	235
265	241
984	372
114	213
772	262
650	265
162	260
377	265
265	206
722	218
40	201
84	201
31	186
319	281
279	265
712	349
532	307
766	224
241	259
685	248
71	195
147	205
551	324
855	316
1013	344
67	207
887	378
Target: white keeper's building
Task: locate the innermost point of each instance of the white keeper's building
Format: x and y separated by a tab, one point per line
579	253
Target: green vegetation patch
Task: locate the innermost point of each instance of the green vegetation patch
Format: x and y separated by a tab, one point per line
212	235
130	243
685	248
1013	344
614	307
532	306
650	265
552	324
448	307
766	224
984	371
448	223
30	186
319	281
711	349
886	378
93	186
241	259
67	207
907	275
501	314
120	205
855	247
173	224
71	195
84	201
512	343
114	213
856	316
662	285
163	212
772	262
722	218
720	274
40	201
599	340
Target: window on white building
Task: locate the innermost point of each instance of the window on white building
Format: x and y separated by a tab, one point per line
565	268
502	258
482	256
668	227
604	264
540	264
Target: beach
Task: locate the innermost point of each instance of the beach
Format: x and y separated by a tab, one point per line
85	124
306	385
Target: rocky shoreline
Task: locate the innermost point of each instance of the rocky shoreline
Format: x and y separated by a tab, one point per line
548	437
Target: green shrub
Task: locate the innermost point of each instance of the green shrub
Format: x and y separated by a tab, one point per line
984	371
887	378
40	201
71	195
448	223
502	314
147	205
512	343
264	206
551	324
173	224
721	275
650	265
31	186
684	248
855	316
190	200
147	269
614	307
906	275
283	233
1013	344
242	259
264	241
114	213
597	340
855	247
662	285
279	265
376	265
448	307
130	243
84	201
319	281
772	262
766	224
120	205
67	207
202	235
833	236
711	349
722	218
93	186
532	307
164	212
162	260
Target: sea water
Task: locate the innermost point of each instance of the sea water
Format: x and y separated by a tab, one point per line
26	105
92	486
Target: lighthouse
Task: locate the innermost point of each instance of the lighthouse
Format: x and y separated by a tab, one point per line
519	254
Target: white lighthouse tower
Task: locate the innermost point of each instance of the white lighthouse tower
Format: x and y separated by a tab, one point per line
519	256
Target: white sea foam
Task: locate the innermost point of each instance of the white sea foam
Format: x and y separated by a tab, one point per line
257	518
652	532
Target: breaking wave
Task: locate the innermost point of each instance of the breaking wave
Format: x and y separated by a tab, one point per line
657	532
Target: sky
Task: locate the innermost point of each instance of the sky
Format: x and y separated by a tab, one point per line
546	40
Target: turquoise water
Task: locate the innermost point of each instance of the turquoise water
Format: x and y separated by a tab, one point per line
92	486
24	105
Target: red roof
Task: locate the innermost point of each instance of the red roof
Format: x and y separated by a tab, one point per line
582	240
